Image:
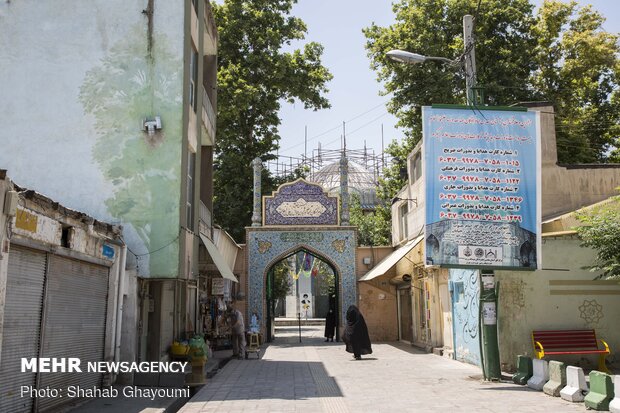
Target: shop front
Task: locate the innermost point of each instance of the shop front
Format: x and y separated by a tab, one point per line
218	287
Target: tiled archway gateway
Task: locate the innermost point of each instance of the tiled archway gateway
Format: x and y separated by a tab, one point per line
300	216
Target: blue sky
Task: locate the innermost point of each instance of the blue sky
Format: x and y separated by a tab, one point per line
354	91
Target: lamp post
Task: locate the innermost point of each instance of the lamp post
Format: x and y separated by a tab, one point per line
468	58
487	317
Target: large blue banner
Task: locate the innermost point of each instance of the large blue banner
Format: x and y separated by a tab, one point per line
482	176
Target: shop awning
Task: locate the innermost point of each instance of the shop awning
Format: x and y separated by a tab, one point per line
218	260
391	260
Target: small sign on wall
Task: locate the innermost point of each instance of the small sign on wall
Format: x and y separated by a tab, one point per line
489	314
26	221
488	282
217	286
107	251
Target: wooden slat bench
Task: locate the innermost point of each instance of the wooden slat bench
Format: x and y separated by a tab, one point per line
555	342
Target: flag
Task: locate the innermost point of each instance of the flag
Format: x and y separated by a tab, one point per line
315	268
308	261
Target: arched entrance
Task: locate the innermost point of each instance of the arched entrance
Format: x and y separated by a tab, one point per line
302	285
299	216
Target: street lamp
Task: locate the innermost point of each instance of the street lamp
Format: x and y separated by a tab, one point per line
469	57
487	300
397	199
402	56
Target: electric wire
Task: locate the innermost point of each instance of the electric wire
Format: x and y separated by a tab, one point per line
150	252
336	127
359	128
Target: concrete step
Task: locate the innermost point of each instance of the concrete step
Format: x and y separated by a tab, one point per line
287	322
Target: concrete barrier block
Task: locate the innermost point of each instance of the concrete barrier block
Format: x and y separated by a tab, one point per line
614	405
541	374
524	370
576	386
557	378
601	391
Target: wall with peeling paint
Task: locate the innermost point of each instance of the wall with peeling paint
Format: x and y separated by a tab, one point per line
5	186
562	295
76	87
47	229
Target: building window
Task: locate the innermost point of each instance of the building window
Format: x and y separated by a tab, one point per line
191	170
416	167
402	214
193	79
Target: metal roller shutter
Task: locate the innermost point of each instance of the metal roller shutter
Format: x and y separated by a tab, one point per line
74	323
22	325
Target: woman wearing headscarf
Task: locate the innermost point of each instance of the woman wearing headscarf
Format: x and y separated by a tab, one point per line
356	334
330	325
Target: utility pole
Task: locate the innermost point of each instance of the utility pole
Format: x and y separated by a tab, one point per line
488	294
488	326
470	58
487	319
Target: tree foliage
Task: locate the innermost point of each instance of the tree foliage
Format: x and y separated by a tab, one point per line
577	68
561	54
326	280
601	231
375	228
282	281
255	74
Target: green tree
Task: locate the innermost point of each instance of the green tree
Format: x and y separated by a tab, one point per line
255	75
577	69
601	231
435	28
395	175
282	281
375	228
326	279
561	55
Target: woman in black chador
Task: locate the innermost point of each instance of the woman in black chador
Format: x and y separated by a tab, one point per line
330	325
356	334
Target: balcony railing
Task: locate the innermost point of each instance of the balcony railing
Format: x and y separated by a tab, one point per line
208	116
206	220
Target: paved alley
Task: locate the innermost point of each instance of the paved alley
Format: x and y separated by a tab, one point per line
315	376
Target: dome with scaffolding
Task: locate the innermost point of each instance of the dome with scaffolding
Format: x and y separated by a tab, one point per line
362	182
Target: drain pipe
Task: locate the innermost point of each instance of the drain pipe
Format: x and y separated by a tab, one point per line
119	303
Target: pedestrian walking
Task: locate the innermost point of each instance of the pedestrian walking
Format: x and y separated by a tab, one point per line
330	325
234	319
356	334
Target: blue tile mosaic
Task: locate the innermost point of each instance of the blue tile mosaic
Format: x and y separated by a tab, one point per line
268	246
301	203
